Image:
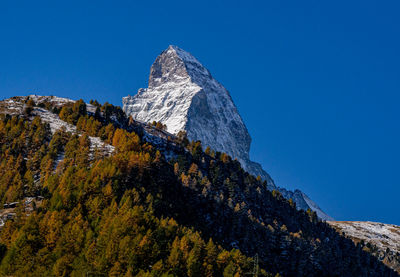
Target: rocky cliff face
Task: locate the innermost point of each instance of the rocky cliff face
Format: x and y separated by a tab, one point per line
183	95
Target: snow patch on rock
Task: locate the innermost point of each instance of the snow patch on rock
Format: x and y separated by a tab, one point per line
16	106
56	124
379	234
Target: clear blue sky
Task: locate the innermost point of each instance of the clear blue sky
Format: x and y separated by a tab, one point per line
317	82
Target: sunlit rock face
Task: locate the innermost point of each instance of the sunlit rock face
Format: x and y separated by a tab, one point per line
184	96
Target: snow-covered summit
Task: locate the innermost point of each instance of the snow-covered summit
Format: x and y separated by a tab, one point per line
197	67
183	95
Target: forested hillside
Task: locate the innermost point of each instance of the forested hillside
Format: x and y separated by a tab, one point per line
379	239
146	203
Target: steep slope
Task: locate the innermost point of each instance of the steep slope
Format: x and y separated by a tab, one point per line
183	95
382	240
304	202
66	223
149	207
17	106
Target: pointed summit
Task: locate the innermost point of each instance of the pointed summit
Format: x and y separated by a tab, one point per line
184	96
176	65
184	55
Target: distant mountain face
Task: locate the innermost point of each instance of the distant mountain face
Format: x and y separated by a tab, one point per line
184	96
381	240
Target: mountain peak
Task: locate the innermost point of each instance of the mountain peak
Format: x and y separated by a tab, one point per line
184	55
175	65
184	96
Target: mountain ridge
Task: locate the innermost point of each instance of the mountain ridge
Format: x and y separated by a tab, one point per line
183	95
149	206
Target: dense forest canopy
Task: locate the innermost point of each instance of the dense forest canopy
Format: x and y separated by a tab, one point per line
156	205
